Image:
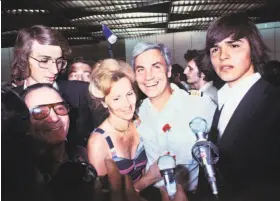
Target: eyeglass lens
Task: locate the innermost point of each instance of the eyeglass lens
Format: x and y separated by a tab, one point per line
45	63
42	111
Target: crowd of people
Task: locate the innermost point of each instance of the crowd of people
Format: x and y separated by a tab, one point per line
98	134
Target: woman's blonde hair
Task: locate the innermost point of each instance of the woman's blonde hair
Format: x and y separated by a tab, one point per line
107	72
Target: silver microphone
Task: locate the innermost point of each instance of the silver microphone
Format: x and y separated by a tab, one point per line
166	165
205	152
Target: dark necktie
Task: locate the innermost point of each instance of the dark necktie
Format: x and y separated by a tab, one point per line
214	133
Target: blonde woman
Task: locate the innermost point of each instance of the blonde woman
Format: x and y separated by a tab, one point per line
112	83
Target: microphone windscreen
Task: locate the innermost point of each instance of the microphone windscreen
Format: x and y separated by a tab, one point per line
166	162
198	124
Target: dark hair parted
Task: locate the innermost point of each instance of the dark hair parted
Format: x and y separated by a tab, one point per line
78	60
177	68
198	57
23	47
37	86
237	26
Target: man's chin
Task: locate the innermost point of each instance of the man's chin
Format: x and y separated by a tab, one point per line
48	82
57	138
56	141
150	93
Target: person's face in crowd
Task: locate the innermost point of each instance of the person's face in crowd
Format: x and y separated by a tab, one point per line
192	73
122	99
177	77
41	67
80	71
232	60
53	128
152	73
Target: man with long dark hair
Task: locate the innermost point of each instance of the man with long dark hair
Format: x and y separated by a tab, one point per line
246	123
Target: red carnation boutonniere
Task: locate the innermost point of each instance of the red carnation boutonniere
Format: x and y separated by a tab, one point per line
166	128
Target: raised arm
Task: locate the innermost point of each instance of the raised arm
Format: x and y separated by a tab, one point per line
98	151
152	176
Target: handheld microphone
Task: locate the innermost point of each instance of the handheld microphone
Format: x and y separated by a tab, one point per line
166	165
205	152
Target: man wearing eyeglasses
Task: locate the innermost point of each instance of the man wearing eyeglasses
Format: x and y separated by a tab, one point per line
49	130
39	57
49	114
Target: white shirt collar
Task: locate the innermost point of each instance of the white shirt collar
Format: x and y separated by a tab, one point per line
176	91
206	86
239	90
25	85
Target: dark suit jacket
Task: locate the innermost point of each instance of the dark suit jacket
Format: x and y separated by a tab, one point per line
83	116
250	145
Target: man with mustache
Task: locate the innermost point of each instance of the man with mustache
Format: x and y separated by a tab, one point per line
246	123
167	106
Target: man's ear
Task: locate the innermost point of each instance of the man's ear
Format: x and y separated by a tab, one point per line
104	104
202	75
169	69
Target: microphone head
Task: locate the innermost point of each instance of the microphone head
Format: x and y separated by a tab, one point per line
198	125
166	165
166	162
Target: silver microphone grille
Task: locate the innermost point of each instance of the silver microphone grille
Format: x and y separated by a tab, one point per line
198	124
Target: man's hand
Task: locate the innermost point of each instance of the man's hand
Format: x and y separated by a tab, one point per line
179	196
121	185
153	173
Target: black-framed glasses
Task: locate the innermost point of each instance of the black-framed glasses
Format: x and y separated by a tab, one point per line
41	112
47	62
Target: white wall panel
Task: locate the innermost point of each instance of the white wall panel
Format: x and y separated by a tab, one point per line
277	44
6	60
168	41
182	42
198	39
129	46
268	37
148	39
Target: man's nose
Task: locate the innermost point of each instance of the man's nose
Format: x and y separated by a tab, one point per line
224	53
53	68
80	77
149	74
53	117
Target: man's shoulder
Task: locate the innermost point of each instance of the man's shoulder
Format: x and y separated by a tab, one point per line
73	84
194	97
144	107
19	90
212	89
73	88
74	92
